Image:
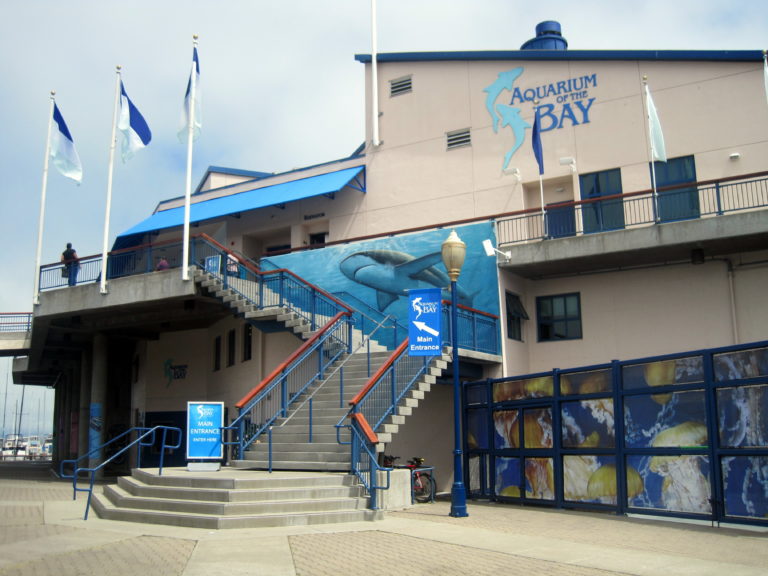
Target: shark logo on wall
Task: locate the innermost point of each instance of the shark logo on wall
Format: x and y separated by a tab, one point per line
504	115
391	274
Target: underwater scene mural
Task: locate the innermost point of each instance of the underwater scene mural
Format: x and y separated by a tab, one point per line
381	271
694	436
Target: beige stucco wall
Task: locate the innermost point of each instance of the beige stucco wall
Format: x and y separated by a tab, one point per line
194	348
645	312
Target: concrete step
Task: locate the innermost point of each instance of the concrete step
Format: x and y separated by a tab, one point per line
233	498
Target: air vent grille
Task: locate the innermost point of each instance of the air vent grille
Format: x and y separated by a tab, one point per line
458	138
400	86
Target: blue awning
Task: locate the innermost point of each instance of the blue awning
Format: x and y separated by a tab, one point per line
324	184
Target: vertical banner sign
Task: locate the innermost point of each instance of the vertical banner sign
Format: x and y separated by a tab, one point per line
424	322
204	423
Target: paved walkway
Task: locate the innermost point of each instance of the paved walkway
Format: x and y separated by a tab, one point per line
42	533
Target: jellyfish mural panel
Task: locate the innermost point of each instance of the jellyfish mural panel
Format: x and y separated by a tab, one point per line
743	416
648	416
506	429
686	370
541	387
477	429
507	483
672	482
537	428
742	364
590	382
539	478
588	424
745	486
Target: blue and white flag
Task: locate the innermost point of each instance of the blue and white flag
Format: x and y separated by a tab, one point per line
185	114
63	152
658	150
536	142
133	126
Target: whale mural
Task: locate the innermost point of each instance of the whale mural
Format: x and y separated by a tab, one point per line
381	271
391	274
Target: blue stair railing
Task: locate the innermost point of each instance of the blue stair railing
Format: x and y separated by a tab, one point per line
273	396
145	437
369	409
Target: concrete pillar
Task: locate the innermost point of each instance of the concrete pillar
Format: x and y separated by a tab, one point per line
98	396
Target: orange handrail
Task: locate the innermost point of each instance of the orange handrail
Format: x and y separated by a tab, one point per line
365	428
379	373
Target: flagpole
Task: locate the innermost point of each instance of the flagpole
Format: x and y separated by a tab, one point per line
541	182
650	142
110	171
188	189
36	297
374	77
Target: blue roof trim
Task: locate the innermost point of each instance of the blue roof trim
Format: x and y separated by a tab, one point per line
546	55
275	195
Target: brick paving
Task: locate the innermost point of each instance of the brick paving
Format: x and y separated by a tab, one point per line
42	533
319	554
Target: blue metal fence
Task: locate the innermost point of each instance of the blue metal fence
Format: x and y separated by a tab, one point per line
682	435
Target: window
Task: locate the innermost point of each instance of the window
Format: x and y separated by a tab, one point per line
400	86
680	203
247	342
231	348
559	317
606	214
515	315
217	353
458	138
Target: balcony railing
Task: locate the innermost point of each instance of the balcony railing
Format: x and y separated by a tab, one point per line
687	201
15	322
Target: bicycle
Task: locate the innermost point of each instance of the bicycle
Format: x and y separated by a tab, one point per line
423	485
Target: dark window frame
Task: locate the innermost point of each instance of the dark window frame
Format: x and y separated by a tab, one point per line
555	321
516	313
231	347
247	342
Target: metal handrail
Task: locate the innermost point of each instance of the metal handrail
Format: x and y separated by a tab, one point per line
364	462
15	321
145	438
686	201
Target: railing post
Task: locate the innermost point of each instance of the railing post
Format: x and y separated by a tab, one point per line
310	420
719	199
269	450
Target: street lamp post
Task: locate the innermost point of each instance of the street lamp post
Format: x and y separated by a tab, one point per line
453	251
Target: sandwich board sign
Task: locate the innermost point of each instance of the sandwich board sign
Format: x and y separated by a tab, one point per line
204	437
424	322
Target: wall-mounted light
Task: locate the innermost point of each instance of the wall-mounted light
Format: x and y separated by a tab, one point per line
569	161
490	250
734	156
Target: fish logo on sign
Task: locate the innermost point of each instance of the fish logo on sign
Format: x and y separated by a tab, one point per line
424	337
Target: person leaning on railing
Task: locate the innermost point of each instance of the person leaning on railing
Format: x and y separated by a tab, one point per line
71	264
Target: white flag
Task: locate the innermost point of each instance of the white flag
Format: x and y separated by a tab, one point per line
658	151
63	152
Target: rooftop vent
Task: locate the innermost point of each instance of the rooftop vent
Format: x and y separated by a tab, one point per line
548	37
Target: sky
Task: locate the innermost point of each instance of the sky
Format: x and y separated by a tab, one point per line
280	88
